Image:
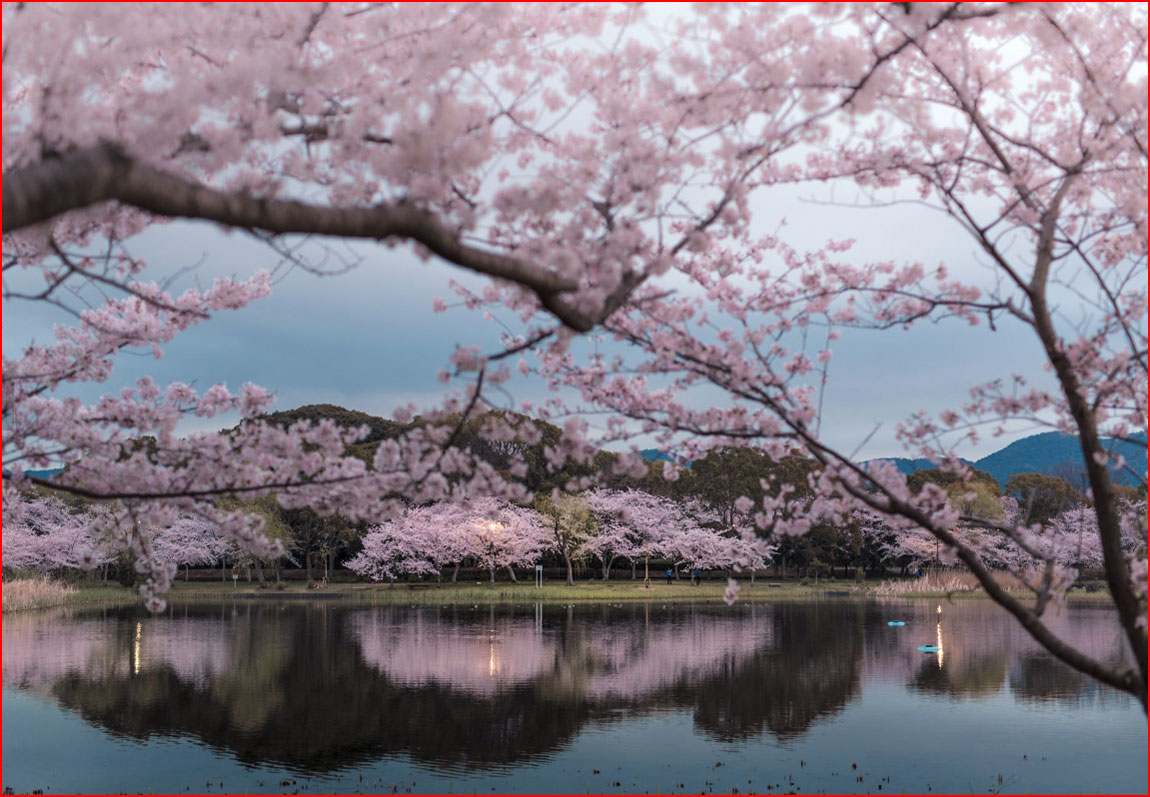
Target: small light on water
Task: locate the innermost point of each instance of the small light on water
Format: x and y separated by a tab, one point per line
136	651
938	640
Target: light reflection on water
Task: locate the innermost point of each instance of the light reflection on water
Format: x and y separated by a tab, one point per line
524	698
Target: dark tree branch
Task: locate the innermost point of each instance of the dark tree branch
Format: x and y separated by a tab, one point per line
38	193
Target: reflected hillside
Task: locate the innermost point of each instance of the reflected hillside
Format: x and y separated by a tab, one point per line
812	671
319	687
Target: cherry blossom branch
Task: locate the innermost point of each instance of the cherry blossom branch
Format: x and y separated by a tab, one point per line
37	193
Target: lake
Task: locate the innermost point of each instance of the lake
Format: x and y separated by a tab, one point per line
815	696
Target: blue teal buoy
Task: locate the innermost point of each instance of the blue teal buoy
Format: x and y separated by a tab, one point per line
896	622
928	648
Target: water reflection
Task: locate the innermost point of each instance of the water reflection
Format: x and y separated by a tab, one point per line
319	687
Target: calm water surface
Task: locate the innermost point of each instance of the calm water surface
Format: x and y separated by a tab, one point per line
266	696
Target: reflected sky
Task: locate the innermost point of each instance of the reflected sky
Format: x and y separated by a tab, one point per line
507	694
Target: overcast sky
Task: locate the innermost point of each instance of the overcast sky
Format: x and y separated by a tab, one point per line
368	340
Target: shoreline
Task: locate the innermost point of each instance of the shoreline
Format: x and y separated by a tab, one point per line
597	592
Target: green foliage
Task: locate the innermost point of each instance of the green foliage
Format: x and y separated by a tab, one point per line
276	526
123	570
724	475
977	498
1041	497
572	521
946	479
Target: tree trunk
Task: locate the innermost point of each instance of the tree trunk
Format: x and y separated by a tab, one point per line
187	573
511	573
260	573
455	573
492	571
634	567
570	575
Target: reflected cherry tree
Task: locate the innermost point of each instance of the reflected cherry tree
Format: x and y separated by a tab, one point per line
323	688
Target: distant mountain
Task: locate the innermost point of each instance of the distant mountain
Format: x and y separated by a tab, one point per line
42	474
1043	453
655	455
1040	453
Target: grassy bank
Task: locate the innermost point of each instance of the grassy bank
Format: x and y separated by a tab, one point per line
473	592
41	593
502	592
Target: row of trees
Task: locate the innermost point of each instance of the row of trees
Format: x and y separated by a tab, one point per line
51	534
47	533
607	525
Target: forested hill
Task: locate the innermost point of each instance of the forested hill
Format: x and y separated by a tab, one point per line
380	428
469	436
1050	453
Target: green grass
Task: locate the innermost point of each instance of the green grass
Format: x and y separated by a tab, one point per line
507	592
616	591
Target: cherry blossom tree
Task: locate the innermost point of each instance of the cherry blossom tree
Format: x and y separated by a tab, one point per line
706	549
1074	533
504	535
632	524
605	179
190	540
42	533
422	541
426	539
394	548
1055	204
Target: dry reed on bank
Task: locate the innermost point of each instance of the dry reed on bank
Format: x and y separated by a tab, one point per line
944	581
34	593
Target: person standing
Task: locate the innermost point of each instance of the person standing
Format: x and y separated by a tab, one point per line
669	574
